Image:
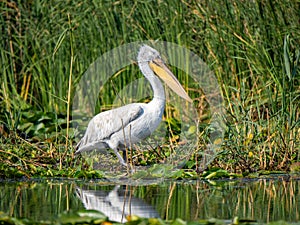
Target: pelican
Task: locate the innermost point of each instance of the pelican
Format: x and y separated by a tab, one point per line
121	127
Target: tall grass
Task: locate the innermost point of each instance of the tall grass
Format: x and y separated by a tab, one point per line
253	57
252	46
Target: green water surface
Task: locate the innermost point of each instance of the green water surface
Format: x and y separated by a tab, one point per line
264	200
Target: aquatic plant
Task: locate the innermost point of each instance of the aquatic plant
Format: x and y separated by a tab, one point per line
252	47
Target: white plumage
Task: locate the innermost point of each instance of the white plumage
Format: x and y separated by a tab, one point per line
121	127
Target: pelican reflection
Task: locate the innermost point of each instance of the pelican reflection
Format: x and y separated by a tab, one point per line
115	204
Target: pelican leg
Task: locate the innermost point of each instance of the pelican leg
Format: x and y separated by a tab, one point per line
120	157
124	154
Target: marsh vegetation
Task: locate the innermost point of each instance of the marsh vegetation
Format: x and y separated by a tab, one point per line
252	47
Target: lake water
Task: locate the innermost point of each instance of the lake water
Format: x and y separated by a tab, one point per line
265	199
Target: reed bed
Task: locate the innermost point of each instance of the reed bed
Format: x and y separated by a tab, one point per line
252	47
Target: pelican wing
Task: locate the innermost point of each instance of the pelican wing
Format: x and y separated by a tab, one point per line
105	124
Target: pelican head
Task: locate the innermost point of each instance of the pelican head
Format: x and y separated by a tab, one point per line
152	57
147	54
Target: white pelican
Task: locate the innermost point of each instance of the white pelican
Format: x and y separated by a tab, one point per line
121	127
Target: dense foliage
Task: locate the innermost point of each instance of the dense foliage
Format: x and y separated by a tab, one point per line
252	46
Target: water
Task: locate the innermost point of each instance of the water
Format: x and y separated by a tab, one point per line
265	200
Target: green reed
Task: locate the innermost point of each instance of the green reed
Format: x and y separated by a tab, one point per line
252	47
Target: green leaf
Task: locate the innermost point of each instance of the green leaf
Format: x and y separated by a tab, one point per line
286	56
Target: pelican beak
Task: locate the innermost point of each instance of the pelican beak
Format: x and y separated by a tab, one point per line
161	70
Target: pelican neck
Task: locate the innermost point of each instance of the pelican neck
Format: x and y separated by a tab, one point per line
156	85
